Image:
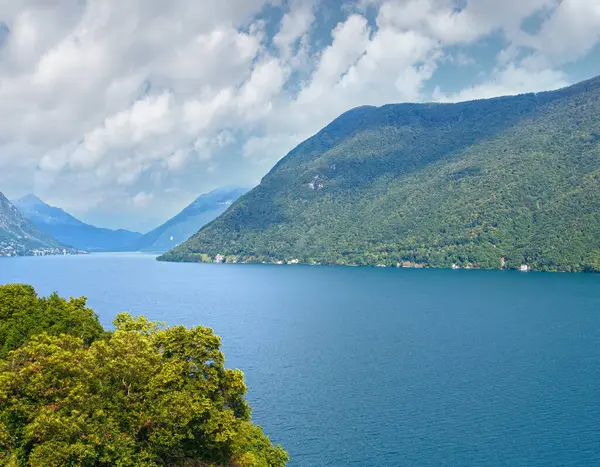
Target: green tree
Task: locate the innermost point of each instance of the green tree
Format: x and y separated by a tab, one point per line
23	314
143	395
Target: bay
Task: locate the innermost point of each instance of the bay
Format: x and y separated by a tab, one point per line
379	367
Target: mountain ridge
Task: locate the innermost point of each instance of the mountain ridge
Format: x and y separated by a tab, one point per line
488	183
19	237
192	218
69	230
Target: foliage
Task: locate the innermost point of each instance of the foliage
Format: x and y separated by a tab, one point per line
23	315
471	184
142	395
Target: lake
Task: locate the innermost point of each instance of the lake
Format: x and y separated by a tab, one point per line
379	367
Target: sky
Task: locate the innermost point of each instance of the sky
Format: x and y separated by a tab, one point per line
123	112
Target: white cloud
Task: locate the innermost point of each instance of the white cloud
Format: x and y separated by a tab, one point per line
453	22
295	25
142	199
205	147
177	160
508	81
269	148
266	82
106	102
570	32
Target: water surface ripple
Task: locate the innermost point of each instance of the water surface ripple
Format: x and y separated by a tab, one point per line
380	367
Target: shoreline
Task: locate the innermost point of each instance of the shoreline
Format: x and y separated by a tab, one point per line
453	267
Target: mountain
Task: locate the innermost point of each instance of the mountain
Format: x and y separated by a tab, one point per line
71	231
494	183
189	221
19	237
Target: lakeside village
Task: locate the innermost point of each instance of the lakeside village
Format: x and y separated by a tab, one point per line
10	249
222	259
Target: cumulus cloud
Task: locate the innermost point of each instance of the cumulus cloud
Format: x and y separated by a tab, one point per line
142	199
570	32
507	81
295	25
127	109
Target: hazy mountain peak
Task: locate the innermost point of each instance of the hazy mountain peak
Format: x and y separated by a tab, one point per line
31	200
19	236
200	212
70	230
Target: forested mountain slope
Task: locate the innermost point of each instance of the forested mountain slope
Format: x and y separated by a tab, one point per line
19	237
490	183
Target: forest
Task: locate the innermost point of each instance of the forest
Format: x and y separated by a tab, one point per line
141	394
491	184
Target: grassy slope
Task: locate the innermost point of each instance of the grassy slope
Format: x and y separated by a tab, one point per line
469	183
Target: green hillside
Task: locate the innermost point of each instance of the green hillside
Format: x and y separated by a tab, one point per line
430	185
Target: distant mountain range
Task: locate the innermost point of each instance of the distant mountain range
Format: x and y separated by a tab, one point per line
511	182
177	230
71	231
19	237
56	225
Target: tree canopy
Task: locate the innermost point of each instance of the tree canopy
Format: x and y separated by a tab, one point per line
142	395
23	314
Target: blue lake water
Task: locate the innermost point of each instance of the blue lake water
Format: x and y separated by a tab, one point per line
379	367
